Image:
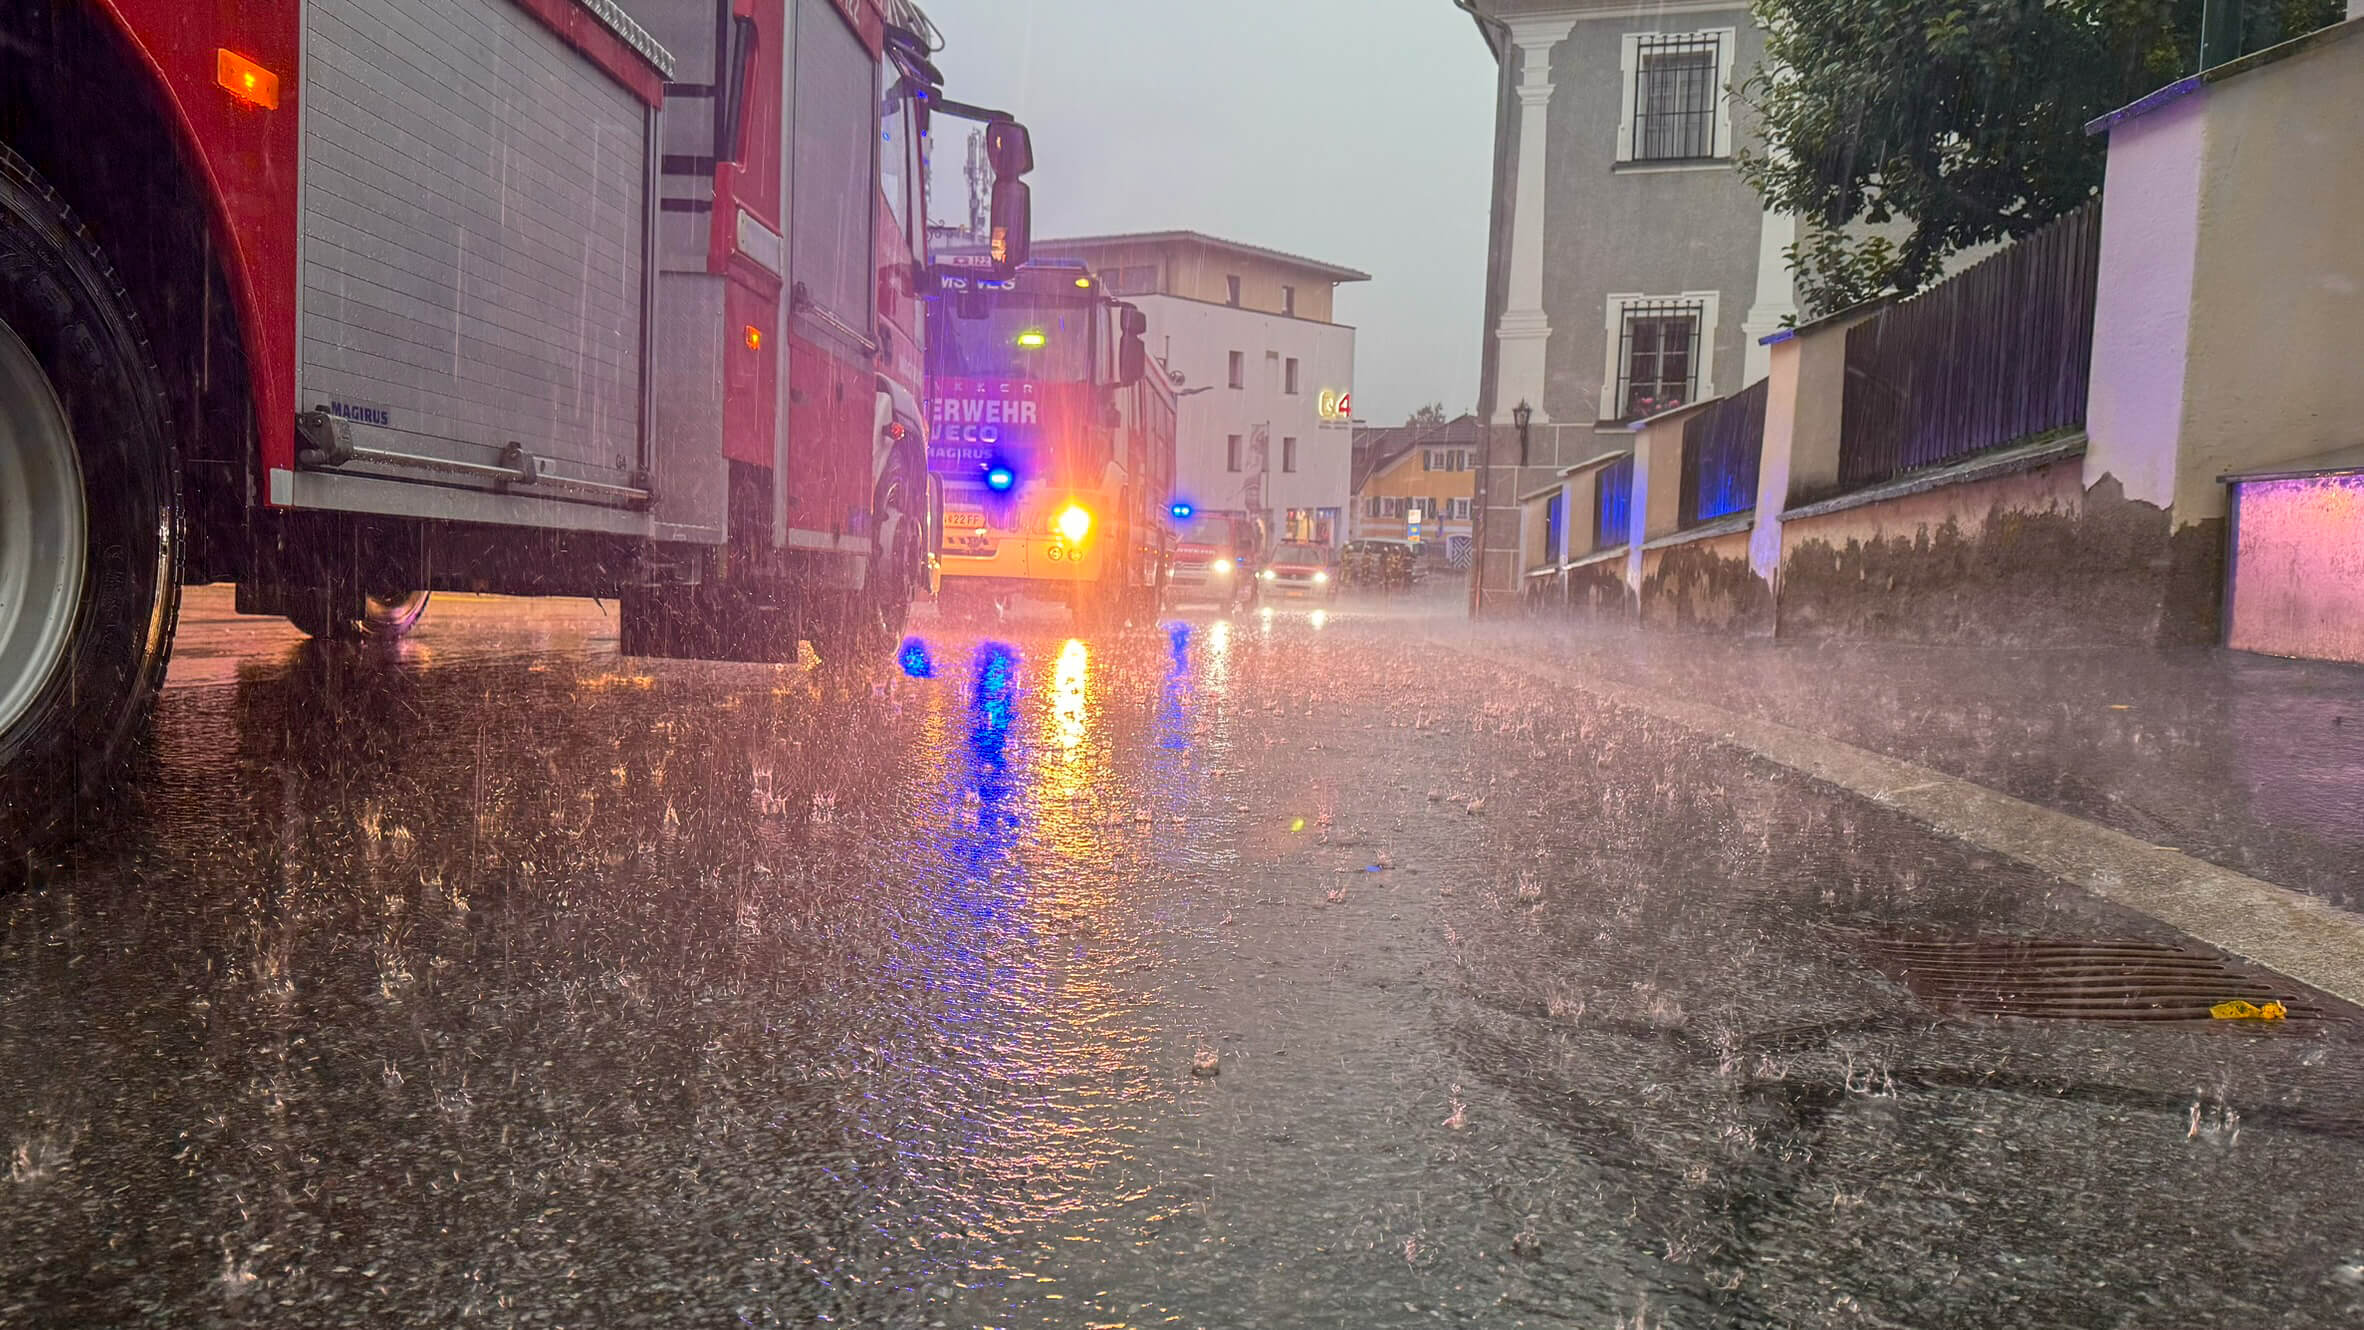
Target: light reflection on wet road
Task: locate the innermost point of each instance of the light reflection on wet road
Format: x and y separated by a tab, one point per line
499	980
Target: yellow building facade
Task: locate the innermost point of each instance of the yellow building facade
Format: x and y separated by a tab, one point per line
1422	488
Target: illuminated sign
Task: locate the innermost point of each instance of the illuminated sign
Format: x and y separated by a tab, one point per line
971	420
1337	404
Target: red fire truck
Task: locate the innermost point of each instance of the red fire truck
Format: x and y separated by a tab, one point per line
348	301
1053	443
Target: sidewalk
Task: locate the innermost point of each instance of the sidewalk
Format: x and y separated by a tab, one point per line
2251	763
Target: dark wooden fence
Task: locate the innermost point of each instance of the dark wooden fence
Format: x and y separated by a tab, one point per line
1612	504
1721	446
1997	353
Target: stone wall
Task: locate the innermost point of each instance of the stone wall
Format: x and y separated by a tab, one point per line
2028	559
1705	584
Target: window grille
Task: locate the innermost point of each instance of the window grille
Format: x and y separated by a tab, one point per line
1677	80
1658	356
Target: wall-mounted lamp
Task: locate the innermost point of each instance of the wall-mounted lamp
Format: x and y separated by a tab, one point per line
1519	416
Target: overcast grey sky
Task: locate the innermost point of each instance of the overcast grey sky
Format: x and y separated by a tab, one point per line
1355	131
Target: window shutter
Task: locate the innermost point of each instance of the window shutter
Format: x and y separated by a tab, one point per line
1628	73
1725	75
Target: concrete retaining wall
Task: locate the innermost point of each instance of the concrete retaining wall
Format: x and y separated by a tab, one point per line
2031	558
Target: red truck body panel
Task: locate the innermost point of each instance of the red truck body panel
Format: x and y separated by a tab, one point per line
247	157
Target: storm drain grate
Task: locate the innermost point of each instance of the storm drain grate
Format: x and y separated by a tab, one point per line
2088	981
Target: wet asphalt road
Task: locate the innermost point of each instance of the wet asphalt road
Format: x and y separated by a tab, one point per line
497	980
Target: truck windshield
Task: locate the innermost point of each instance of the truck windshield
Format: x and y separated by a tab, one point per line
1042	343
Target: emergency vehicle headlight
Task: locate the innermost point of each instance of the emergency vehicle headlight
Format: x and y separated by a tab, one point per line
1032	340
1220	566
1074	523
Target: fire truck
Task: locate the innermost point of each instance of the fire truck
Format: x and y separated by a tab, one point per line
1054	445
350	301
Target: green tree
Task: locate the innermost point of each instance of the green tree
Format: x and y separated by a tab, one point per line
1957	122
1431	414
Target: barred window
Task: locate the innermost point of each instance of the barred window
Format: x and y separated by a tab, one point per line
1677	80
1658	356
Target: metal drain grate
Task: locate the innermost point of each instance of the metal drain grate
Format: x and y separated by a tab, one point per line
2088	981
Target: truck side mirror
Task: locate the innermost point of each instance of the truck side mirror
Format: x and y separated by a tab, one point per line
1013	224
1010	148
1132	357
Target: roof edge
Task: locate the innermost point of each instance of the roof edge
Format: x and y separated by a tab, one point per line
1333	271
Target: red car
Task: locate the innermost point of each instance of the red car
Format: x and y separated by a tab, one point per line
1300	570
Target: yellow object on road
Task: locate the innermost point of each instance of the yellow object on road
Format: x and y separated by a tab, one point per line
2238	1010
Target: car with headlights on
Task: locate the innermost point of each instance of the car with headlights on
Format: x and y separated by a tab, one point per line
1211	573
1300	569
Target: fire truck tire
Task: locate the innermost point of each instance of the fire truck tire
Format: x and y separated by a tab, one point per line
383	619
652	621
1146	604
90	519
394	617
868	622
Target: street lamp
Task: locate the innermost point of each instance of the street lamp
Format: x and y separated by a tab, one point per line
1519	416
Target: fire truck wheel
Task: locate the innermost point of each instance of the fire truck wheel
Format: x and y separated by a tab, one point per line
90	518
1147	603
902	546
394	617
383	619
653	621
855	625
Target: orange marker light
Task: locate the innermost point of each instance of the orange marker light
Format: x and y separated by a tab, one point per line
246	80
754	338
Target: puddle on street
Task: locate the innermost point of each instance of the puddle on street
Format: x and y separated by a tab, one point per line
1242	971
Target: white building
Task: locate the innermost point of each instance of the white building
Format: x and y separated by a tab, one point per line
1265	379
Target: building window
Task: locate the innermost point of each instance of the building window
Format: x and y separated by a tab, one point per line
1289	377
1239	373
1289	305
1554	517
1231	450
1231	290
1660	353
1428	459
1371	506
1460	511
1674	107
1288	453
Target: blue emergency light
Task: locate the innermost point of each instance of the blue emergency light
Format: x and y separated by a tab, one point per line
1182	512
999	479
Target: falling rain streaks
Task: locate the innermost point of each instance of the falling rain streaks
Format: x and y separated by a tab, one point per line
1246	970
